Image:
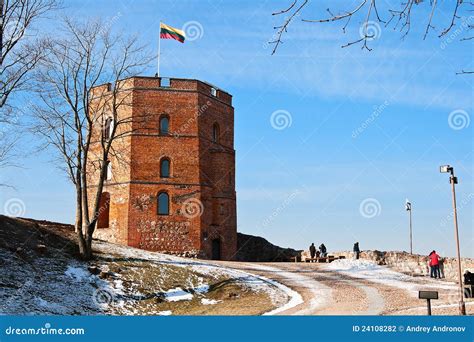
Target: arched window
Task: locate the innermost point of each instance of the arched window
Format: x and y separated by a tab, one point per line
108	175
215	133
163	204
164	168
108	128
164	125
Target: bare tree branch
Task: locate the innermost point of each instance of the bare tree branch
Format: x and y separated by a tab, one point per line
20	53
283	28
286	10
84	94
401	19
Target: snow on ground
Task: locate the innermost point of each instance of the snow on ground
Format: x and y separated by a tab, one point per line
135	253
54	286
177	294
282	297
77	273
61	285
443	309
165	313
206	301
295	298
321	294
365	269
259	283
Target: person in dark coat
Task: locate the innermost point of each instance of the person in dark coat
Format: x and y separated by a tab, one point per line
468	278
312	250
323	250
356	250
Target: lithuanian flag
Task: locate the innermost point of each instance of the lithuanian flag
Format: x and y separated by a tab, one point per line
168	32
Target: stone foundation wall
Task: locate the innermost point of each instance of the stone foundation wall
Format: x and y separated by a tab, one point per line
410	263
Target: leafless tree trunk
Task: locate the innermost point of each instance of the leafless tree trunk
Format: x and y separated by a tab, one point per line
399	18
83	97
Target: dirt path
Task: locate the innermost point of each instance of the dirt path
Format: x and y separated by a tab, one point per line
323	292
328	292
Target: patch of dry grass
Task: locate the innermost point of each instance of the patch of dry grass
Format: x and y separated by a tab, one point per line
143	285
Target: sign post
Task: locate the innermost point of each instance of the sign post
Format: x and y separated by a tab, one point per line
428	295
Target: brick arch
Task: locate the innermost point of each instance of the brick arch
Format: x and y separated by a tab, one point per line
164	127
163	198
216	248
213	233
163	173
107	128
104	210
216	132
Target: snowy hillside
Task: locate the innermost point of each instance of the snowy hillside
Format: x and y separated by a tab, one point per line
40	275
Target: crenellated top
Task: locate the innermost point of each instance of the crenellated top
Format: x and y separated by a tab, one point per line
165	83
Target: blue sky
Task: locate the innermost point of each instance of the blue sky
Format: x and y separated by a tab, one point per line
358	128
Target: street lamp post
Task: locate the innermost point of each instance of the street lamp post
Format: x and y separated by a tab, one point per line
408	208
454	180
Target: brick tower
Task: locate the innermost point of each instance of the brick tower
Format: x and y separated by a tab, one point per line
176	191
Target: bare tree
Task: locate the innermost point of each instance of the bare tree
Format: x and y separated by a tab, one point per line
399	18
82	85
20	51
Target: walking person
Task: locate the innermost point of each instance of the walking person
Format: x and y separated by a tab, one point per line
312	250
323	250
434	265
356	250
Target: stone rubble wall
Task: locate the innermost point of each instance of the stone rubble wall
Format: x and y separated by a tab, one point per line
404	262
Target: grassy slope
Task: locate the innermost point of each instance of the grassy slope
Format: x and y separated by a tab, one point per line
54	281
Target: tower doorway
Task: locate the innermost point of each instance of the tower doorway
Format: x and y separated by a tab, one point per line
216	249
104	209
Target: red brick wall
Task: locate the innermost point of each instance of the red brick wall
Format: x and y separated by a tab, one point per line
201	185
218	172
118	186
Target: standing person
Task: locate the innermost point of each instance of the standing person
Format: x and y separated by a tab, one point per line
431	266
434	263
356	250
323	250
312	250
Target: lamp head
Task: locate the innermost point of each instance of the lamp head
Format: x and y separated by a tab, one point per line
445	169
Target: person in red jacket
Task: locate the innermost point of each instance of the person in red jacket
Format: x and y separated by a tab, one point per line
434	265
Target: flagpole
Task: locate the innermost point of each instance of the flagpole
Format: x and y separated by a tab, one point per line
159	50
